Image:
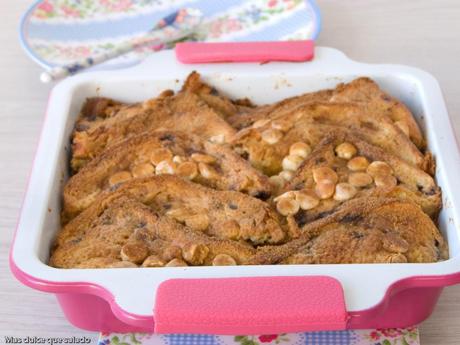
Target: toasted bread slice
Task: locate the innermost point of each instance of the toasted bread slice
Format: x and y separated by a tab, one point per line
275	110
344	167
366	91
124	232
184	112
223	105
364	230
224	214
267	143
162	152
363	91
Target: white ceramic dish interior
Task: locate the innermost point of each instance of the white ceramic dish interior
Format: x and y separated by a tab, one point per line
364	285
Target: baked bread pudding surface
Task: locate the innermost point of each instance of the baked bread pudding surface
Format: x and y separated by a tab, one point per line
196	178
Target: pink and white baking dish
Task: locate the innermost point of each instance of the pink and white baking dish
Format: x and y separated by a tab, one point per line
240	299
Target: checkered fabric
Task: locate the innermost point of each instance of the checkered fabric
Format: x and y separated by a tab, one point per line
328	338
190	339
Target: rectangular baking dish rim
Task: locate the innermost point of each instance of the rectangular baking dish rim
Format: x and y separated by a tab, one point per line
433	274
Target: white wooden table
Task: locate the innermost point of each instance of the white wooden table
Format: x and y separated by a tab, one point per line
424	33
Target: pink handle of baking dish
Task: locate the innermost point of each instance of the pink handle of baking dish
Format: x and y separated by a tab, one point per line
253	305
205	52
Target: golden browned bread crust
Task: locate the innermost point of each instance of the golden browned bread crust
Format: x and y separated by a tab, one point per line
125	232
100	112
248	118
225	214
357	169
170	182
267	143
366	91
224	106
365	230
160	152
184	111
363	91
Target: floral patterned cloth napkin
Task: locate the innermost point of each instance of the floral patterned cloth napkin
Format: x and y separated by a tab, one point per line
393	336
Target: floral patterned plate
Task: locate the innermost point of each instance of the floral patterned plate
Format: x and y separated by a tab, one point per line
393	336
58	32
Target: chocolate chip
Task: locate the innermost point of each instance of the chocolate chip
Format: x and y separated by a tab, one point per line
320	160
263	195
357	235
214	91
432	191
233	206
324	214
81	127
351	218
168	137
299	186
386	98
92	117
301	218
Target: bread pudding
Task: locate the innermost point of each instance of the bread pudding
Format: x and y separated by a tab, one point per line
196	178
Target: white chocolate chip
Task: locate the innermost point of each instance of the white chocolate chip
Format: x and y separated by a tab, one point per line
307	199
322	174
345	150
160	155
379	168
187	169
217	139
145	169
402	125
195	254
282	125
153	261
325	189
230	229
271	136
134	252
223	260
300	149
198	222
260	123
277	181
203	158
287	195
165	167
344	191
360	179
171	252
180	214
176	263
359	163
119	177
286	175
122	264
292	162
207	171
287	206
385	181
179	159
